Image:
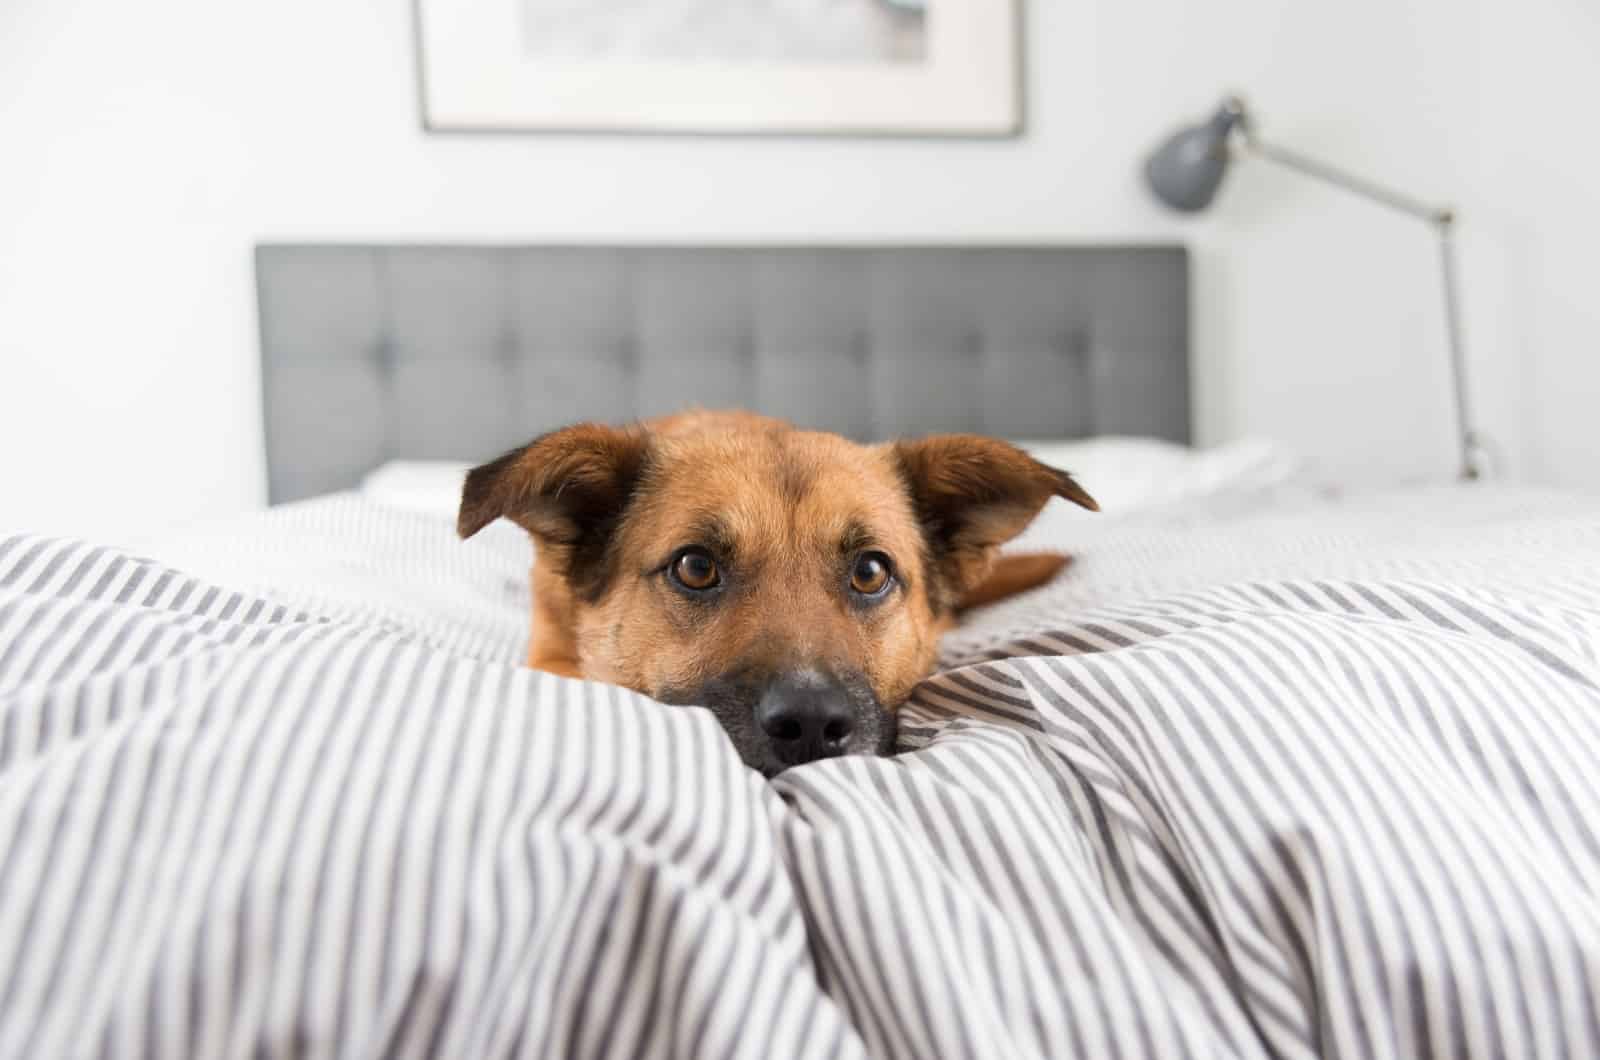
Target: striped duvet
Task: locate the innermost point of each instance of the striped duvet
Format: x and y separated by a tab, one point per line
1318	779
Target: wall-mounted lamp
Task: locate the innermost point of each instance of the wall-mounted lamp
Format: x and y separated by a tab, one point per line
1186	171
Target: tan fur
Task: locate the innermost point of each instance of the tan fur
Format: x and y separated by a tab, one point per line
609	508
1012	574
553	645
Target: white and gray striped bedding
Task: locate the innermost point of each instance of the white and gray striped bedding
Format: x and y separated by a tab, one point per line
1317	780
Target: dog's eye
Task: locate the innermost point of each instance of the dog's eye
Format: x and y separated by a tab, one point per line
694	569
871	573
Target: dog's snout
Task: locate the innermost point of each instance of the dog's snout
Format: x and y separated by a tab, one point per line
806	716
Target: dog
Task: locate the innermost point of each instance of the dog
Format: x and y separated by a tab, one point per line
792	581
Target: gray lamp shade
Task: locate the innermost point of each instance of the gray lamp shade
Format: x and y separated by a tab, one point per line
1186	171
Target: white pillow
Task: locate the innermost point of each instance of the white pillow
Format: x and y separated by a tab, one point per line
1132	474
1123	474
432	487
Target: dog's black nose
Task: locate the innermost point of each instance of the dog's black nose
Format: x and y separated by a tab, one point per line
806	716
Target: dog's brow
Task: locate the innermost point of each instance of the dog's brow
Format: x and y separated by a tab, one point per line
711	531
856	537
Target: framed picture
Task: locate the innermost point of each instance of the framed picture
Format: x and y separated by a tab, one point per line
866	67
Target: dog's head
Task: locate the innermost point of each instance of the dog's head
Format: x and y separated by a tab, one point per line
793	582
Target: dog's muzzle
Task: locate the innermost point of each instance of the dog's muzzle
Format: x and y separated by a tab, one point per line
793	716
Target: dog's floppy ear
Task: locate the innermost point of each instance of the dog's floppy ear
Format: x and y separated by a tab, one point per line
972	494
567	488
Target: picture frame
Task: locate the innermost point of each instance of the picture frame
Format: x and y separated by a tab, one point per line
721	67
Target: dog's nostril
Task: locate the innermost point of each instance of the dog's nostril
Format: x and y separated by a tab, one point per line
835	731
786	729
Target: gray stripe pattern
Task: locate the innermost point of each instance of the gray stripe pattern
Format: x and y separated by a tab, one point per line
1327	790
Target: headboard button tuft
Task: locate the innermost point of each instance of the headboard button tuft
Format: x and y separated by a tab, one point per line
860	348
385	358
505	350
627	355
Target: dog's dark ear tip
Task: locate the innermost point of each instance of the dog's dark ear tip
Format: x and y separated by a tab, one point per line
479	505
471	519
1067	486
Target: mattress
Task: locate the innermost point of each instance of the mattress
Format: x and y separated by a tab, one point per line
1290	776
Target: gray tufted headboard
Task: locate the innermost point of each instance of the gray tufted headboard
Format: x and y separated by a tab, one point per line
373	353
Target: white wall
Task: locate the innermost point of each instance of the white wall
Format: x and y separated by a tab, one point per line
145	147
1538	200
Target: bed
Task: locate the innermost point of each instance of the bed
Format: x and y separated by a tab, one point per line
1272	771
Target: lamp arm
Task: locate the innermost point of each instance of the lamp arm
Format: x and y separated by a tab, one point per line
1394	200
